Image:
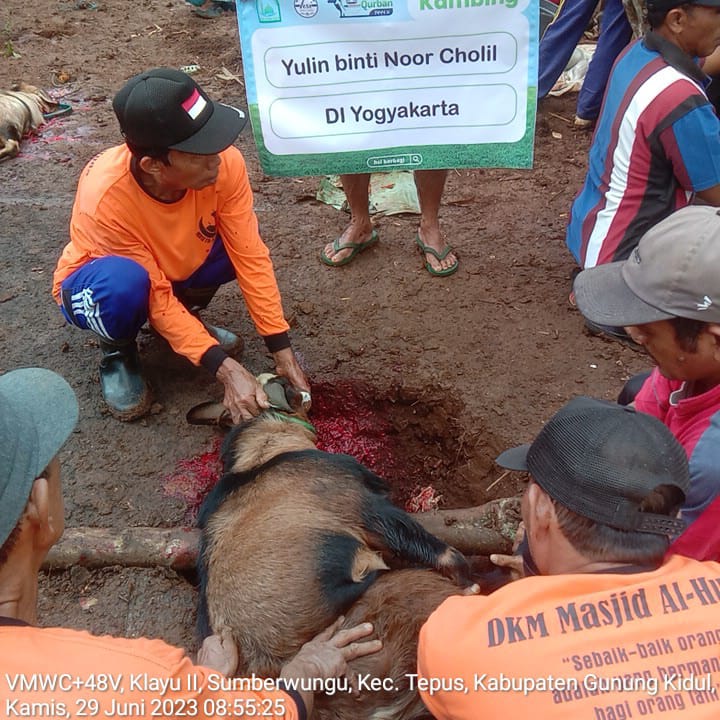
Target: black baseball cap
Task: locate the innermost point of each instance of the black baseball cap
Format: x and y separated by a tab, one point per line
602	461
665	5
166	108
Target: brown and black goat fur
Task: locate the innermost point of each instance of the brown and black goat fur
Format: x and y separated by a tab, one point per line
292	537
397	604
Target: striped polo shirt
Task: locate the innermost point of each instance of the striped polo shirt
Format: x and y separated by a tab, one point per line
657	141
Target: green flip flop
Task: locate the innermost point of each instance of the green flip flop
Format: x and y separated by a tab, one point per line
438	256
61	110
357	248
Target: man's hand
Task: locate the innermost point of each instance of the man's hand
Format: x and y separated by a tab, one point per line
287	366
513	562
219	652
244	398
327	654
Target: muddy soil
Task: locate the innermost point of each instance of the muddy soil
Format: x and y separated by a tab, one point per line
456	368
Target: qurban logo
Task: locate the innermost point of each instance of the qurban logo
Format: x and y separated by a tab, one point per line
306	8
363	8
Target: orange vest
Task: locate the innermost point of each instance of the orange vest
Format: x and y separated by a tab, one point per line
113	215
595	646
61	673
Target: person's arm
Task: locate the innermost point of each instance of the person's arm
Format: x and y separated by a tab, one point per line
692	145
711	196
237	225
287	366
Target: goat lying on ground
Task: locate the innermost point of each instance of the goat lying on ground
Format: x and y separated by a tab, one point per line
293	536
397	604
21	110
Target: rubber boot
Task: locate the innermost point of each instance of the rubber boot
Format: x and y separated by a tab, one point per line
231	343
123	387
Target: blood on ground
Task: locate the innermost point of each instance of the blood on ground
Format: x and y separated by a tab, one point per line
348	420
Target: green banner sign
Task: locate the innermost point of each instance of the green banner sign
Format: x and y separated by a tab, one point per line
344	86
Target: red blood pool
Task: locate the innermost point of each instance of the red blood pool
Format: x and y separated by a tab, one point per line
192	478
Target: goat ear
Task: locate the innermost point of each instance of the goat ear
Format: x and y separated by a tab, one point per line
364	563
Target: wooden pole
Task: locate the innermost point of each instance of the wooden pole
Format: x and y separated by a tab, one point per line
175	548
480	530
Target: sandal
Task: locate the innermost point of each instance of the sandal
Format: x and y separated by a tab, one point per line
61	110
357	248
438	256
209	413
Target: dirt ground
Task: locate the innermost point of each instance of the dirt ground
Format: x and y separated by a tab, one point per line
456	368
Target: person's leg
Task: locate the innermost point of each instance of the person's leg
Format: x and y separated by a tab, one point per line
560	39
360	229
109	297
615	34
430	185
196	292
632	388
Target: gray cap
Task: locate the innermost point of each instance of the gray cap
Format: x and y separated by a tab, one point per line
38	411
673	272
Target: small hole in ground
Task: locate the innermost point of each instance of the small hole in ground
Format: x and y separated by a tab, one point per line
412	438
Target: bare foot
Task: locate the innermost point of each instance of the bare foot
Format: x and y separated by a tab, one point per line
431	236
354	233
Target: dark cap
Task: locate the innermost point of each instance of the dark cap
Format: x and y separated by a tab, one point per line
673	272
666	5
38	411
602	461
165	108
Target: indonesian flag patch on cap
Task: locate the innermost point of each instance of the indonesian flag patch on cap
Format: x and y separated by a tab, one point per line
194	105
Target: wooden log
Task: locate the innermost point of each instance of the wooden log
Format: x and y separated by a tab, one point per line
175	548
473	531
480	530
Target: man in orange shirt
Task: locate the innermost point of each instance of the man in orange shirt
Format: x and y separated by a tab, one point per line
605	631
58	672
158	224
